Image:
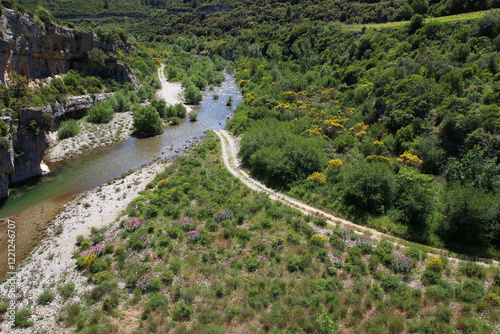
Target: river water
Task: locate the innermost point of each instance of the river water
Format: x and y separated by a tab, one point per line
41	198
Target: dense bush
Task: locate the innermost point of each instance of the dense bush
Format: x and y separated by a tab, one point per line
369	188
147	121
192	95
67	129
278	156
101	113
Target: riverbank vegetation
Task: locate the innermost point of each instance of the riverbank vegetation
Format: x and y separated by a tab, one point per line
200	252
403	121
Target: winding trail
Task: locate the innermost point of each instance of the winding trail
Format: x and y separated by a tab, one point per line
233	164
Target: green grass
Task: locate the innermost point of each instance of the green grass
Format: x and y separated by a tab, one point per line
263	266
465	17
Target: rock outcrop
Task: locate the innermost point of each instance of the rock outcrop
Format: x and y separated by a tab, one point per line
37	50
21	156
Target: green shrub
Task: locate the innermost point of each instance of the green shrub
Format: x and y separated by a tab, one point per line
471	269
101	113
176	265
147	121
101	276
157	301
120	101
177	110
45	298
3	128
390	282
22	318
193	95
43	14
67	129
431	277
193	116
182	311
67	290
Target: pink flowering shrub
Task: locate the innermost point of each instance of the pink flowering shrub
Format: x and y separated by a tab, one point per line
186	223
145	241
98	250
319	219
143	283
402	264
338	261
224	215
132	225
345	231
193	236
364	242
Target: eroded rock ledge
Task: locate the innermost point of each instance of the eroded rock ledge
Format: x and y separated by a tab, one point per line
38	50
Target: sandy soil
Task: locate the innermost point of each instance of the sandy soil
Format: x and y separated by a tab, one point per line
171	92
233	164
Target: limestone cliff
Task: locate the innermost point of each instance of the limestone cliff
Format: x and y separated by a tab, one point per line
38	50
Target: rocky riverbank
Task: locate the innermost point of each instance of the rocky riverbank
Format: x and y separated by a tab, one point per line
51	263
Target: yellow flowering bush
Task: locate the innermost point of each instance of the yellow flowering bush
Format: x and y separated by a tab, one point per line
318	240
335	163
379	159
435	264
318	177
409	159
157	61
494	298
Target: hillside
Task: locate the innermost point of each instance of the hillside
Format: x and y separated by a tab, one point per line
208	255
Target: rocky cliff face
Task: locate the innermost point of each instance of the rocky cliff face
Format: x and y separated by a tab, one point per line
38	50
6	160
22	153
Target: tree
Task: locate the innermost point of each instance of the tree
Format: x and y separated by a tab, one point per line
368	188
101	113
416	22
305	54
278	156
469	218
192	95
475	169
415	197
96	59
147	121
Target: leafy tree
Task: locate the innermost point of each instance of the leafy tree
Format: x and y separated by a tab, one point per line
416	22
368	188
475	169
96	59
3	128
415	197
43	14
469	218
147	121
192	95
101	113
278	156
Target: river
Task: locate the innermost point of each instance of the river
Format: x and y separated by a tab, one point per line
32	204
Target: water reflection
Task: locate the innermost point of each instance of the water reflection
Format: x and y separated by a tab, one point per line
92	169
